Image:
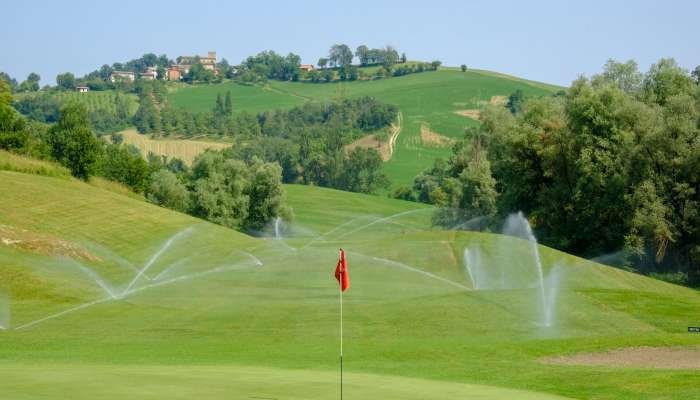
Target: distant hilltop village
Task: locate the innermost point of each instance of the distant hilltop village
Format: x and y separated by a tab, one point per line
175	72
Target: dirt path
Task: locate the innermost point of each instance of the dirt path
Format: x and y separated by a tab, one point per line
395	130
385	148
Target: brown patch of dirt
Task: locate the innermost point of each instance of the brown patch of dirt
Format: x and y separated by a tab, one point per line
371	142
43	244
470	113
498	100
385	148
475	113
636	357
434	139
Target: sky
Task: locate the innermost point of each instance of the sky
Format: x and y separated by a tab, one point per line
548	41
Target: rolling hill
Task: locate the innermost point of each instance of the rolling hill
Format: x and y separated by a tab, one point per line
436	106
106	296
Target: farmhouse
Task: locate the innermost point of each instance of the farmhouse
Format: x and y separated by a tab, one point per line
122	76
306	67
151	74
184	63
82	89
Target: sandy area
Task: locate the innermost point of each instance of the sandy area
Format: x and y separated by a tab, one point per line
470	113
42	244
636	357
433	139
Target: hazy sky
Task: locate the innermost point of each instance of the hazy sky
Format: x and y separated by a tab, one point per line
551	41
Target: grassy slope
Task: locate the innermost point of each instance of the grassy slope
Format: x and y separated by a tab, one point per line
426	98
200	335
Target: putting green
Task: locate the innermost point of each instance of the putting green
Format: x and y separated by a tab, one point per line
229	382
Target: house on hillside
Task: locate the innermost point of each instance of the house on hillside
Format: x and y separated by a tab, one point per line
117	76
151	74
307	67
184	63
173	74
82	89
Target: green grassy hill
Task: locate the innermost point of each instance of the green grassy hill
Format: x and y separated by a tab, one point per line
428	101
106	296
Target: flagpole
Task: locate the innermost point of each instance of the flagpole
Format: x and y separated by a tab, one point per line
341	341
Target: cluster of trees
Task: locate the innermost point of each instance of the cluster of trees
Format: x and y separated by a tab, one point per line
224	190
269	65
340	55
31	84
413	68
106	114
612	164
309	143
230	192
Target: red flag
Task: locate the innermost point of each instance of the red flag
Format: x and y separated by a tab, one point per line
341	272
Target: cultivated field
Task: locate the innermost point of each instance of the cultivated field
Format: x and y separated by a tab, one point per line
105	296
185	149
425	99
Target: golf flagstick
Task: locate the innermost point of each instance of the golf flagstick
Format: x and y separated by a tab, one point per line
341	274
341	342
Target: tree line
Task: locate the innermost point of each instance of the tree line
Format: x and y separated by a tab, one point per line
610	165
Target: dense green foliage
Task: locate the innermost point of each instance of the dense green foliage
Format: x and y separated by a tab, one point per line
269	65
107	111
614	164
223	190
72	142
308	142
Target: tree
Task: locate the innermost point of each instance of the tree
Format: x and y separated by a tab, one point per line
228	104
147	118
435	65
403	58
322	62
31	84
696	75
13	133
66	81
265	194
664	80
389	57
340	55
219	187
12	82
463	67
362	53
626	76
361	171
515	101
166	190
124	164
72	142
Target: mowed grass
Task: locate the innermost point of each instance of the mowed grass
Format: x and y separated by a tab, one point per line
185	149
428	98
244	97
203	311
